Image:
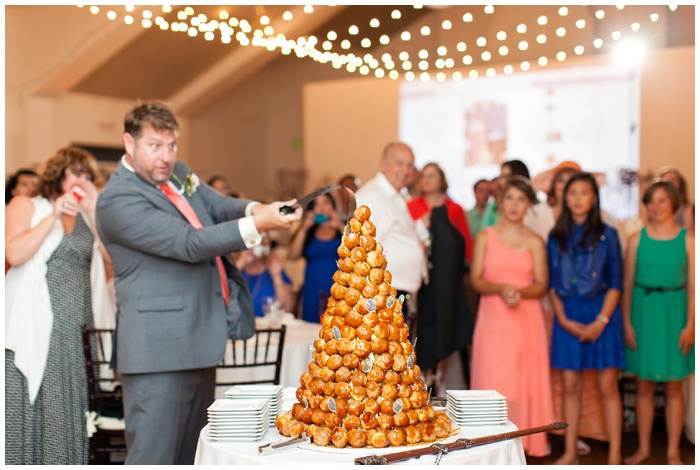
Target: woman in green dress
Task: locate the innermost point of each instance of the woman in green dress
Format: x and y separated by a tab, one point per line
659	312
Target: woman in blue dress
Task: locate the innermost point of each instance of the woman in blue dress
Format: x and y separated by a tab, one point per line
317	241
585	265
263	271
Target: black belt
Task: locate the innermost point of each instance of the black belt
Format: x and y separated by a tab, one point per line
661	290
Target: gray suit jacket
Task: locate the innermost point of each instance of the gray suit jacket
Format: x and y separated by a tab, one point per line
170	311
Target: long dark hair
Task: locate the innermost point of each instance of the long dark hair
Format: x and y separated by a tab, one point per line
13	180
592	227
312	231
517	167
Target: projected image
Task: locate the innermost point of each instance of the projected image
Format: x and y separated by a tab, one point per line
589	115
485	133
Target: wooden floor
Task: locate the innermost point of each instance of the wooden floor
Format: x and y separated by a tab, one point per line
599	449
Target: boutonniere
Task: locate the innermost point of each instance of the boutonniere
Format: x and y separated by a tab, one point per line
190	185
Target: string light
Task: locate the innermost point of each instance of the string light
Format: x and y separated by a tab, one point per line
194	23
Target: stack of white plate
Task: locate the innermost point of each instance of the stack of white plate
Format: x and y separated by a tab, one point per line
238	420
271	393
477	407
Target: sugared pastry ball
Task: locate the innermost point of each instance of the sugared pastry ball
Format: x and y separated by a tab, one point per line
413	435
347	332
283	422
318	417
368	421
339	437
297	410
358	254
374	259
354	319
443	424
343	252
427	431
370	289
322	436
355	227
345	346
357	438
379	439
351	422
362	213
296	429
357	282
345	265
352	296
368	228
332	421
397	437
351	361
376	276
386	422
369	243
362	268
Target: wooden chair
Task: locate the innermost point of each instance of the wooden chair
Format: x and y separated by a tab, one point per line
263	351
106	413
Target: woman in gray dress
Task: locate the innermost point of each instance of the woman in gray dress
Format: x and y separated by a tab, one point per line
50	246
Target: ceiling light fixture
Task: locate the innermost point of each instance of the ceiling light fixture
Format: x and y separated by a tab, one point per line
228	28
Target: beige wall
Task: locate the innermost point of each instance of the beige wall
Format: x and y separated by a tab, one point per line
254	134
37	125
668	113
348	122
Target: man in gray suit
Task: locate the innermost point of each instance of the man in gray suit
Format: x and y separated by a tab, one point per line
172	318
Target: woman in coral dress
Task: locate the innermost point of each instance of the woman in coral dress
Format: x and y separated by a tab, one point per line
509	348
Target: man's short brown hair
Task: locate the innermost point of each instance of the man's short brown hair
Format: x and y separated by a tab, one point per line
158	115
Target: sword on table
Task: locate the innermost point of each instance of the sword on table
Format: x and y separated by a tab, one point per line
459	444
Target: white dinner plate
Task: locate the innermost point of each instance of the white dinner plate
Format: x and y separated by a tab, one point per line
494	406
255	390
474	395
235	439
241	423
478	413
482	423
235	426
237	406
477	404
237	433
213	433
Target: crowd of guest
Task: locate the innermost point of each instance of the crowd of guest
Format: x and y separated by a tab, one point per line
515	286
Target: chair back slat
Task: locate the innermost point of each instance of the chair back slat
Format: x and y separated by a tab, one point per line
104	394
263	350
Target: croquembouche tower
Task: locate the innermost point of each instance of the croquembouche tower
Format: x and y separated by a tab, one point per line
363	387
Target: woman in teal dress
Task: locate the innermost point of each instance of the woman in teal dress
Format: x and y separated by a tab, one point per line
659	312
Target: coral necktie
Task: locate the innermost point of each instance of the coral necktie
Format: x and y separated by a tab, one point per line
186	210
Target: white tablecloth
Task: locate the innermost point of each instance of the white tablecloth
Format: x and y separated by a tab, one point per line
295	359
508	452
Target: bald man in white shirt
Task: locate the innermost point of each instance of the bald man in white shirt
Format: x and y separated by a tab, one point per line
396	230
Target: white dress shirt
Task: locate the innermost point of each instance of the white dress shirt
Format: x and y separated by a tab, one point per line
395	231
